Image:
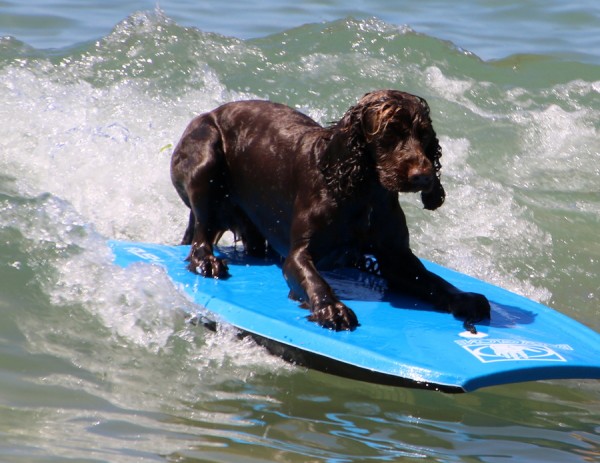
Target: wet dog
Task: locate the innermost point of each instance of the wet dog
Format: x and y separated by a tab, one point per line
320	197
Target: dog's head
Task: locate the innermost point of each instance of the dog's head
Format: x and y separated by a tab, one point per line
396	128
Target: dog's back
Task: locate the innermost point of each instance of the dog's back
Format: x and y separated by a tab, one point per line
258	149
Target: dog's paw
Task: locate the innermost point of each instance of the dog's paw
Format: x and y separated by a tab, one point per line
209	266
334	316
472	307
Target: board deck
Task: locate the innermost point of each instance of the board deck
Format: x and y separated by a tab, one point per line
400	340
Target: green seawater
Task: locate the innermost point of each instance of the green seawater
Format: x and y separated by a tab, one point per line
99	364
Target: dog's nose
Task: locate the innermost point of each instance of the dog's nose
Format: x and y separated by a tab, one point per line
421	179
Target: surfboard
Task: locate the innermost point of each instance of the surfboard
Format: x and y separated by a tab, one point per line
400	341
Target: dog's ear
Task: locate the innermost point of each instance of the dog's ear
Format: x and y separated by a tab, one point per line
352	124
343	163
374	119
435	197
376	116
363	121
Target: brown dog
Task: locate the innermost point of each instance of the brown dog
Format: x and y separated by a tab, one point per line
320	197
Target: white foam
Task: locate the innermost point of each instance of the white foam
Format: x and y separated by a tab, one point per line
559	148
104	150
112	310
556	133
97	159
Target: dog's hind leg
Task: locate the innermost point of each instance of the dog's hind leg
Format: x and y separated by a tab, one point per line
197	172
189	231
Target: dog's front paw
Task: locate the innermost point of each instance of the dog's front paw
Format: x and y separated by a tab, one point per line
472	307
209	266
334	316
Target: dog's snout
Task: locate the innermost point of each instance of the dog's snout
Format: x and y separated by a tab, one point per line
421	179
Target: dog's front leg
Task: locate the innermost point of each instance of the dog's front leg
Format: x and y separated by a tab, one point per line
406	273
308	286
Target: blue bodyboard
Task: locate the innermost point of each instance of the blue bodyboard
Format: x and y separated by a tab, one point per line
400	340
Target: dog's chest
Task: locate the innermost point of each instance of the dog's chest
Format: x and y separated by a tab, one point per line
343	240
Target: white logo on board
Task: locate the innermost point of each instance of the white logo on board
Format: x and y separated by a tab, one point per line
508	350
142	253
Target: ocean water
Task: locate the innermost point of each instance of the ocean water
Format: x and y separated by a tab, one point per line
99	364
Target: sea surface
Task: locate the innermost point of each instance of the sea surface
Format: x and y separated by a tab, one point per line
99	364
